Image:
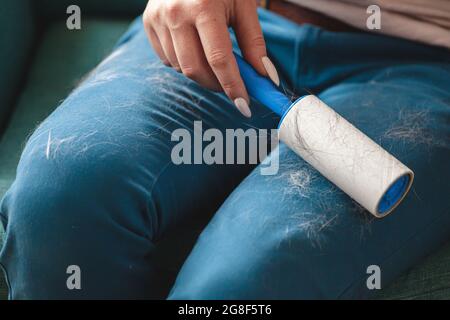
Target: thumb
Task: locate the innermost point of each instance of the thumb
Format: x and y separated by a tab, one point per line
251	40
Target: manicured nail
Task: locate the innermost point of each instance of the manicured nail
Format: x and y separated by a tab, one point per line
271	70
243	107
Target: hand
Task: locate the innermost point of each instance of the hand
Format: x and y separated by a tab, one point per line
192	36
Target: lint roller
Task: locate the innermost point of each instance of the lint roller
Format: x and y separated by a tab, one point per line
332	145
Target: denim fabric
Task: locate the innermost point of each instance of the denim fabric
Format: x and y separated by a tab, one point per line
96	186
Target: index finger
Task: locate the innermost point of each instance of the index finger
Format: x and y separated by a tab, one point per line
216	42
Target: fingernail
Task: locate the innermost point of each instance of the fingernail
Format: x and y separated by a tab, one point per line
271	70
243	107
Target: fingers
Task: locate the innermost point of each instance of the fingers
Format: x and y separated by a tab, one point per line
251	40
192	36
154	40
191	58
165	38
216	42
160	37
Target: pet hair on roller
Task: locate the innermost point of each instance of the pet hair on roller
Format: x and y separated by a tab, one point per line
333	146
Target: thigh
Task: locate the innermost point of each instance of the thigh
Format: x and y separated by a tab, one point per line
295	235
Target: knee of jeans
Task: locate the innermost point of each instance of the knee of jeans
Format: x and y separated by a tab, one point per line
61	189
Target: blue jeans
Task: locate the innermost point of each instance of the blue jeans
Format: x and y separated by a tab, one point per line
96	186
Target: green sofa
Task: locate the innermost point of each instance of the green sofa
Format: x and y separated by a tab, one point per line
41	61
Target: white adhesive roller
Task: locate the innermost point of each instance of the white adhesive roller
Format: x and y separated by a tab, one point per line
332	145
345	155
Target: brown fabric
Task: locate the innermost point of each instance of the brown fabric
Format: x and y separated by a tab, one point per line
301	15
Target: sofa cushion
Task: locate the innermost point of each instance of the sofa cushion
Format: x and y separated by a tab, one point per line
429	280
16	19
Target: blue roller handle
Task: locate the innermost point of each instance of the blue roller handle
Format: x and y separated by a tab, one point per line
262	89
